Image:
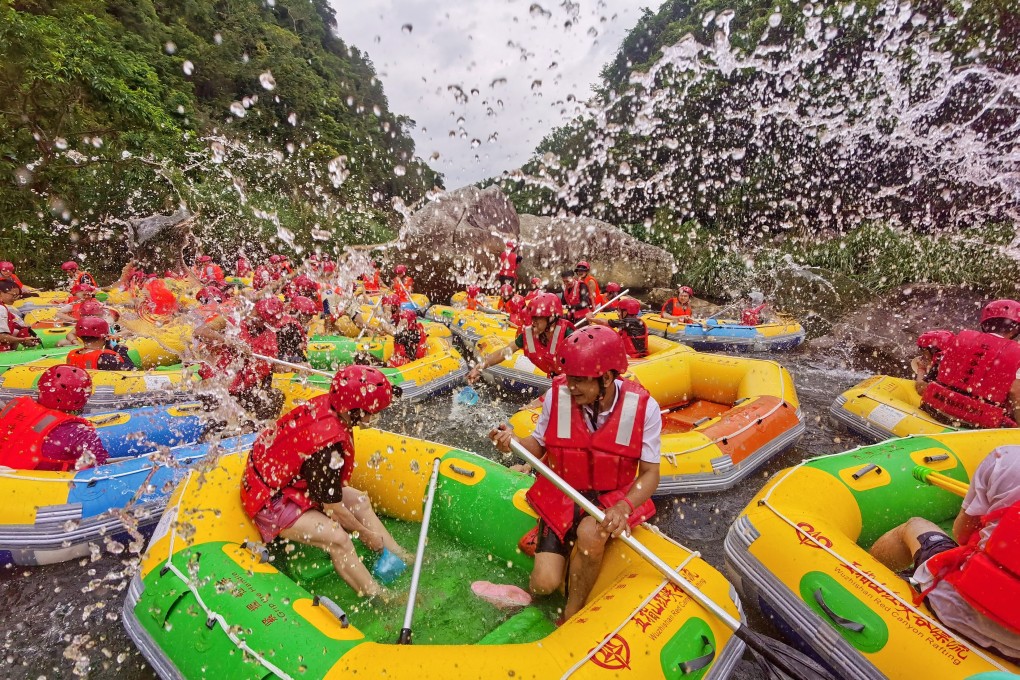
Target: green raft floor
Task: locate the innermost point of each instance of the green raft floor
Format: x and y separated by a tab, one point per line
446	612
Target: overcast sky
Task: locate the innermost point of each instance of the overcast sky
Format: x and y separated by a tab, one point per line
495	73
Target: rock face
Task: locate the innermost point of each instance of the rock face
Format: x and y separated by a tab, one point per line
457	240
552	244
881	335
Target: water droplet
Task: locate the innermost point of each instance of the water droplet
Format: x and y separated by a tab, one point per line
267	80
60	143
775	19
399	170
376	110
292	119
475	143
406	29
218	39
237	108
170	47
338	171
536	10
188	68
535	84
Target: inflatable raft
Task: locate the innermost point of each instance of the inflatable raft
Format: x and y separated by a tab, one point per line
882	407
799	551
203	599
723	417
471	326
723	335
132	432
50	517
438	371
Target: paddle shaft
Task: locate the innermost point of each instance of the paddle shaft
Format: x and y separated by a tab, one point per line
929	476
603	306
371	315
405	632
296	367
749	637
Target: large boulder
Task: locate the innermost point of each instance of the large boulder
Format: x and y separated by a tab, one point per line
553	244
881	334
456	239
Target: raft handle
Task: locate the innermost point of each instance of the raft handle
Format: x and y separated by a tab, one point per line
697	664
870	467
259	551
701	421
462	471
936	458
840	621
740	401
333	608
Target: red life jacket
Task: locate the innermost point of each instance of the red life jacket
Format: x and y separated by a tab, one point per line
508	264
606	460
541	354
572	294
514	307
593	287
17	326
82	276
243	267
674	308
89	358
986	573
372	284
472	303
261	277
210	273
276	458
628	341
24	425
400	356
752	317
254	371
975	374
402	288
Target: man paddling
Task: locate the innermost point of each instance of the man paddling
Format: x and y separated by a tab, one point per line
601	434
540	339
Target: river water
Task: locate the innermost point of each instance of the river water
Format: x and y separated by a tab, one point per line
64	620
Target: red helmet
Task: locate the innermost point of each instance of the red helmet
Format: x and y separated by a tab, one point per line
546	305
630	305
592	352
303	283
535	281
506	290
400	269
473	290
303	305
511	245
583	264
361	387
685	289
82	288
69	266
936	340
270	310
209	294
1001	309
612	287
91	308
329	266
6	266
275	259
204	258
390	301
405	315
65	388
92	327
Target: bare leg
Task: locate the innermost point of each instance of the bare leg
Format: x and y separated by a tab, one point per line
547	574
360	506
585	564
314	528
895	549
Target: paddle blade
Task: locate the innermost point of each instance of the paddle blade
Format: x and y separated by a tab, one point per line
467	396
781	661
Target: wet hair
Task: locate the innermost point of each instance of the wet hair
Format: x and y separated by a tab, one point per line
6	286
1000	326
567	273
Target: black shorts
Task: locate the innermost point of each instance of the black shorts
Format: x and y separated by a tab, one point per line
549	542
932	543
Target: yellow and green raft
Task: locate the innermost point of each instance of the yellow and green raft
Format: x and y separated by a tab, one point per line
799	552
882	407
204	598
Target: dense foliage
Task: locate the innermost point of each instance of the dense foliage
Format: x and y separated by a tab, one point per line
738	131
252	114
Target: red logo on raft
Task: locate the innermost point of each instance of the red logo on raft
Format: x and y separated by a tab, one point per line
614	655
812	537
